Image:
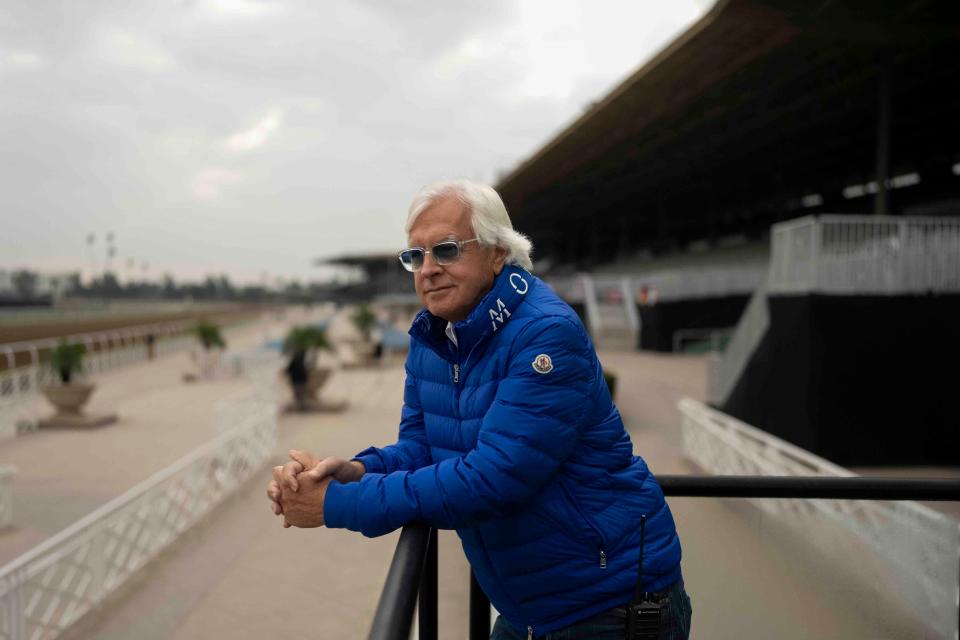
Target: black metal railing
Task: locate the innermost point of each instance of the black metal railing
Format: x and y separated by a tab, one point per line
413	570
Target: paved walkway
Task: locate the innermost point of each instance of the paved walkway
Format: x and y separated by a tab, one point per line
63	475
240	574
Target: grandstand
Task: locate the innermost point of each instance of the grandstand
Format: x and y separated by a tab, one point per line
833	125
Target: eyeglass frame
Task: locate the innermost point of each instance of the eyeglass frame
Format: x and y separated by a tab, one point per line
458	243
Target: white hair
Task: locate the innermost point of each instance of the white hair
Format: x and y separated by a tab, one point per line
488	215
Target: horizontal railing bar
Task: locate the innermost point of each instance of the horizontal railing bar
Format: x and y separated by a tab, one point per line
810	487
394	614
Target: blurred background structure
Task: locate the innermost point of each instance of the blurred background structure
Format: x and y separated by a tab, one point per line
759	226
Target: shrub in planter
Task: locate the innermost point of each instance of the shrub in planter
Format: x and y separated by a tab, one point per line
70	397
67	359
364	320
209	335
301	344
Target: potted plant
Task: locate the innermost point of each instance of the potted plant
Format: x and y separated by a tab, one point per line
209	335
210	338
364	320
305	378
70	396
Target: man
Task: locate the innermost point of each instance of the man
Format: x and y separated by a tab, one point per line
507	434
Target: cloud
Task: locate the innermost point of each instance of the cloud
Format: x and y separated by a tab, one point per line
209	182
20	60
125	49
242	8
256	135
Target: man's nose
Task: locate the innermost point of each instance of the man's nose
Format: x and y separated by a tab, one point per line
430	266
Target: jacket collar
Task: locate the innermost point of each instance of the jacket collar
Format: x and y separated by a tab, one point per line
489	316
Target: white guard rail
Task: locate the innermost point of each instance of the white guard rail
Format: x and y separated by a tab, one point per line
105	350
49	588
875	255
916	547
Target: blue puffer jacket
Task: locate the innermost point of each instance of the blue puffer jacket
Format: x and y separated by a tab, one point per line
531	465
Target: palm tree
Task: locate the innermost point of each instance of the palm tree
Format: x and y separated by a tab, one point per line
209	335
364	320
67	359
305	379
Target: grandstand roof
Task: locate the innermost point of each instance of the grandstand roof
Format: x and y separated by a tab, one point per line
758	104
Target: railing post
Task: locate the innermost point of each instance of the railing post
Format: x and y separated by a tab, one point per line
427	607
479	611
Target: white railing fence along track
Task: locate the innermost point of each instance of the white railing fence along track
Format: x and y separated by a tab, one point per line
49	588
916	549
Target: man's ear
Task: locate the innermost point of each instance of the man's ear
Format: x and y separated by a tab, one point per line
499	258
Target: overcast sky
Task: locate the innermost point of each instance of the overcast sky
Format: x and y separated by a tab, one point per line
249	137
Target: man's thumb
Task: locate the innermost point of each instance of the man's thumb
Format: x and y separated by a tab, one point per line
326	467
304	458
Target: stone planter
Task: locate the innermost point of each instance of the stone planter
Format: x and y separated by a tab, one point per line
308	400
69	400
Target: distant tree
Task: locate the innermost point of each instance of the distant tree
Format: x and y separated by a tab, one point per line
25	284
73	284
111	286
170	291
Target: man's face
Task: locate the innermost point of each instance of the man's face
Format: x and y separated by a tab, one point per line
452	291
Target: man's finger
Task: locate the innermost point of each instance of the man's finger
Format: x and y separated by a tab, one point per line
305	459
289	475
273	492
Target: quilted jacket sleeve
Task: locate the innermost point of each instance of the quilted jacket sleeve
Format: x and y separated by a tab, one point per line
411	451
530	428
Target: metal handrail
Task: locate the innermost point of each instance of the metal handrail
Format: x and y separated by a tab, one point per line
394	616
405	580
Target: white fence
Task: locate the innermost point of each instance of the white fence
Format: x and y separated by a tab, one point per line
916	548
878	255
49	588
105	350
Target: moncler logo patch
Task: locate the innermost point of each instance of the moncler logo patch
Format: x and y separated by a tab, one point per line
542	363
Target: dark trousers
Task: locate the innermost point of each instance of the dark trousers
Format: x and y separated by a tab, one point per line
611	624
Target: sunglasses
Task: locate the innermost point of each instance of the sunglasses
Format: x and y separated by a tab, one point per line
444	253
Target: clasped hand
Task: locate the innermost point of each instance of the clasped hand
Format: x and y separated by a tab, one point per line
298	488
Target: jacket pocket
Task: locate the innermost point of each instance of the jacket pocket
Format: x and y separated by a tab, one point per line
594	535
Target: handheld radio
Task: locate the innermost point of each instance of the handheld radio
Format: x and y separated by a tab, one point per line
645	612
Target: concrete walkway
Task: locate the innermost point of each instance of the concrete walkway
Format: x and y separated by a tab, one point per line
240	574
63	475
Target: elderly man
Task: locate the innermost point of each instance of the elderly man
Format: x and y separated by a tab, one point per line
507	434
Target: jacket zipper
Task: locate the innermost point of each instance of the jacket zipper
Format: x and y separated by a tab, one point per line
456	373
600	541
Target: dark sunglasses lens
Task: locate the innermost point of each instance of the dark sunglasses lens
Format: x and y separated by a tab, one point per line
445	252
412	259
